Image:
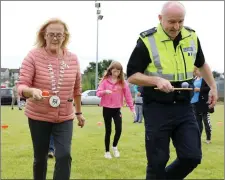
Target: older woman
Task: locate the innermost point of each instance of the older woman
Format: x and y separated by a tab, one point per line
50	78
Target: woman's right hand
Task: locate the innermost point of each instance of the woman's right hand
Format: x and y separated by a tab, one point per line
36	94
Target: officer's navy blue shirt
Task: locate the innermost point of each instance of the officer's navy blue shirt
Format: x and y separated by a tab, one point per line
140	58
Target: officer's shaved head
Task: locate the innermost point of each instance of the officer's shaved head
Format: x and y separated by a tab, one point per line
172	18
172	6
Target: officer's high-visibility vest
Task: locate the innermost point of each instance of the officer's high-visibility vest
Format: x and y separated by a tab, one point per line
166	62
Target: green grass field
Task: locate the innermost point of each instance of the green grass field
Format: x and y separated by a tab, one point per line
88	149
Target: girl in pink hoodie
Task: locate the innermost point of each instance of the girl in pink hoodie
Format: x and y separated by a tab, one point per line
112	90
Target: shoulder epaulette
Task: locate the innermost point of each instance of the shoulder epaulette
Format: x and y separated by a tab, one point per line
189	29
148	32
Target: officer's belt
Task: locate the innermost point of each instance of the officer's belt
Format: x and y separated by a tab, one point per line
172	97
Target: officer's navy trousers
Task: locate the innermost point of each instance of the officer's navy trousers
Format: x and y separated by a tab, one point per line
171	121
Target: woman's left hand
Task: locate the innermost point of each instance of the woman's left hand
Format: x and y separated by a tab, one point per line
81	120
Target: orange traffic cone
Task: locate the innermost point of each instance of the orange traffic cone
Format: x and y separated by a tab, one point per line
5	126
99	123
220	123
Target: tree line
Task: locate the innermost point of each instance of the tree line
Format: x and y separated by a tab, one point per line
88	78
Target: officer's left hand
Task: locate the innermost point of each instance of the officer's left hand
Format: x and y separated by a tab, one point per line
213	97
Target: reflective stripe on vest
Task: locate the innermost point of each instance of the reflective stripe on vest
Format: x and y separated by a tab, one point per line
170	77
157	63
181	76
155	54
192	42
165	76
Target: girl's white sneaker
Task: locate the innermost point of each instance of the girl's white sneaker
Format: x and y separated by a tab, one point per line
116	153
108	155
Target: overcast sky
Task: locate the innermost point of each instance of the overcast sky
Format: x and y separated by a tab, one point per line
118	31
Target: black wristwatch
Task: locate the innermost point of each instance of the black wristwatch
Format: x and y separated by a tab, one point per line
79	113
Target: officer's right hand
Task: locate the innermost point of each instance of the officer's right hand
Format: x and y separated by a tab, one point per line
164	85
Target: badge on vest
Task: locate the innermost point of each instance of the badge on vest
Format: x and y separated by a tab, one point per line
189	50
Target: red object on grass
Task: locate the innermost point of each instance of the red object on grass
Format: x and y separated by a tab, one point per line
219	123
5	126
99	123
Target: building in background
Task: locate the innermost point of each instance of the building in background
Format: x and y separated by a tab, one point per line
9	76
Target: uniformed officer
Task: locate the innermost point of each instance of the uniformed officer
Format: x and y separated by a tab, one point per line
164	57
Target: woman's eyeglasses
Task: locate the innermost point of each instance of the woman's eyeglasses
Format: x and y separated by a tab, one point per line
53	35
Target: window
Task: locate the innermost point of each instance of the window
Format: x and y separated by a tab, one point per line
6	92
92	93
220	86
